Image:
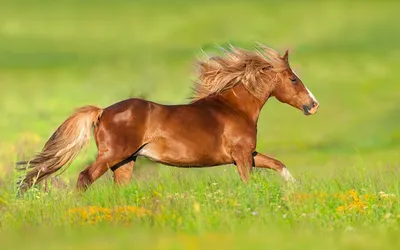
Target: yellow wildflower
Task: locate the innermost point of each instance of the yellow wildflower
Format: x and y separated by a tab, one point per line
196	207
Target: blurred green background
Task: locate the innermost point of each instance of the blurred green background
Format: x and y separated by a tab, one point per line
59	55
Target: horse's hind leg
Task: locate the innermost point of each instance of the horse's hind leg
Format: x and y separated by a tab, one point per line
96	170
123	173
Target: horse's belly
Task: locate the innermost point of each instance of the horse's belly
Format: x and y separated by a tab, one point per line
179	154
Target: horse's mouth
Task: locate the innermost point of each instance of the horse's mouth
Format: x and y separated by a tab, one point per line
307	110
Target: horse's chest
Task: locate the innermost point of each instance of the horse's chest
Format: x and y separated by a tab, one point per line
245	136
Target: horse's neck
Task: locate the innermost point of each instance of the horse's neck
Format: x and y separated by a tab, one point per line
240	98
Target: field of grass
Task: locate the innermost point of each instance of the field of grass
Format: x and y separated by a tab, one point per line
59	55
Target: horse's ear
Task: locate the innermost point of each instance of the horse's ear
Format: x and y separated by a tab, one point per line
286	56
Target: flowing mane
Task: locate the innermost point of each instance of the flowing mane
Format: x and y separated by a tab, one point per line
220	73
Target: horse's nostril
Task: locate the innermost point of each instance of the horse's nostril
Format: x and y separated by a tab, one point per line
314	104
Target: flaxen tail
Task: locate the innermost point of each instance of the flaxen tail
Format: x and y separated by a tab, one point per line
62	147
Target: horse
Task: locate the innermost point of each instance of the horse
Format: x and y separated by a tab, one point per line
217	127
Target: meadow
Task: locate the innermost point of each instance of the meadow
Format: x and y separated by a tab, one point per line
58	55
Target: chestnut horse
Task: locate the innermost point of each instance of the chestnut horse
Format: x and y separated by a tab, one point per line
218	127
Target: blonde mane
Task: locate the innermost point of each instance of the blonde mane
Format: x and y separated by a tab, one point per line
221	73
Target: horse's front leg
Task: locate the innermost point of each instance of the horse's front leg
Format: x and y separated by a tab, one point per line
243	160
263	161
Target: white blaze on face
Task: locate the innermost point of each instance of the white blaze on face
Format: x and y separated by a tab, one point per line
311	95
309	92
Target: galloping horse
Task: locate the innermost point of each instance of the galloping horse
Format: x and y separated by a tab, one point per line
219	125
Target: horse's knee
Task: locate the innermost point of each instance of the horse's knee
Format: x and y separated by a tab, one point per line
279	166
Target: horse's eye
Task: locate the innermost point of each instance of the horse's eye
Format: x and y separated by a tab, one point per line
294	80
267	67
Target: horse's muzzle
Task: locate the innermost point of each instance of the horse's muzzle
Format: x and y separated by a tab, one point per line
311	109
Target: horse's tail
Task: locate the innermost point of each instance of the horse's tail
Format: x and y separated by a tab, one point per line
62	147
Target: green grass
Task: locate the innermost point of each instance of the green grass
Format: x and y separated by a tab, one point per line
59	55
